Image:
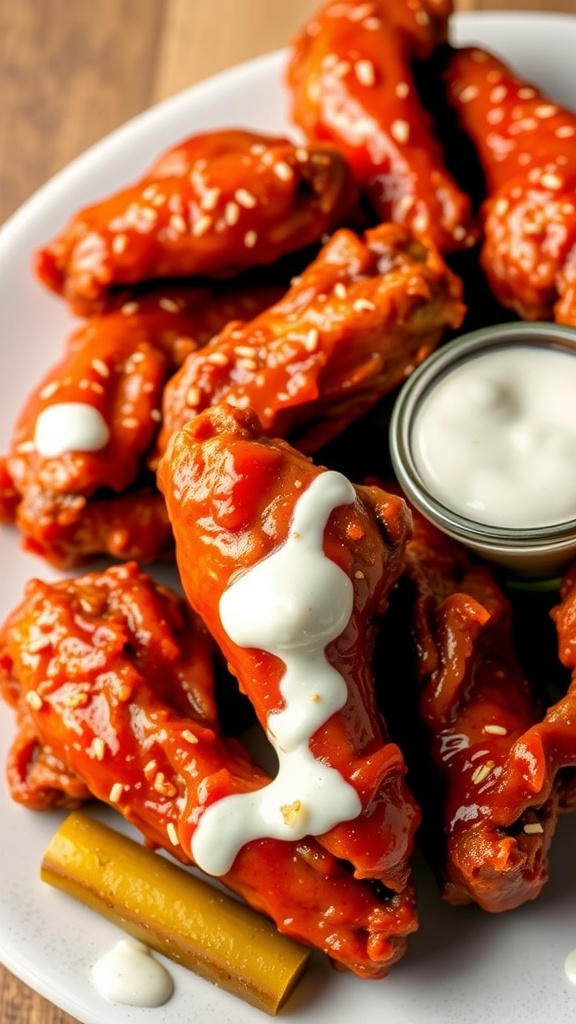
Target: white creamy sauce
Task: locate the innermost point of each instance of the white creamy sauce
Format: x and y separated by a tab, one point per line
128	973
495	439
291	604
70	427
570	966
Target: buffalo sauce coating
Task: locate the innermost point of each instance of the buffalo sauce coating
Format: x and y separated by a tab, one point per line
231	494
213	205
477	707
291	604
351	82
527	147
116	675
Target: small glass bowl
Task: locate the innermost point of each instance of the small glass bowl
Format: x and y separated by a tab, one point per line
536	553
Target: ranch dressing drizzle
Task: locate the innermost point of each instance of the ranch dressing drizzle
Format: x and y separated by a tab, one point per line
129	974
70	427
495	438
291	604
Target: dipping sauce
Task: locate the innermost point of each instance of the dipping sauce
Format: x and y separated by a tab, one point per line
495	437
483	443
130	974
70	427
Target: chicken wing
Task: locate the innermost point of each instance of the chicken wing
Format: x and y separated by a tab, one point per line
75	478
353	325
213	205
117	674
285	561
527	146
351	82
477	710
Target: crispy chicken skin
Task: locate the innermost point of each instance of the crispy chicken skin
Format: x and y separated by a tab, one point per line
351	82
215	204
231	493
72	505
527	146
116	674
352	326
478	710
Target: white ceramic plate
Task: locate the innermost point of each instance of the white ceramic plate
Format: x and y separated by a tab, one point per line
463	966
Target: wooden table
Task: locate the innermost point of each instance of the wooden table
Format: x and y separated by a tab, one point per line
70	73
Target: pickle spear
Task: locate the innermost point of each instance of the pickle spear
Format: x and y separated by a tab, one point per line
174	912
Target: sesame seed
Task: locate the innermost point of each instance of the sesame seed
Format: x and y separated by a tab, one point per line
545	110
496	730
342	68
189	736
501	206
202	226
301	155
482	772
178	224
172	833
150	191
231	214
49	389
361	304
526	93
420	223
360	12
250	239
116	792
468	94
97	748
565	131
422	17
400	130
34	700
340	290
156	415
495	116
217	358
312	338
193	396
245	198
364	71
130	423
533	828
129	308
119	243
371	24
551	181
402	90
100	367
498	94
169	305
39	644
210	200
283	171
245	351
150	766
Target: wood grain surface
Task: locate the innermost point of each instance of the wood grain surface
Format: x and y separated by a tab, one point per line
73	70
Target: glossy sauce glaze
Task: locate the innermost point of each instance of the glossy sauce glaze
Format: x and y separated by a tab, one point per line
292	604
494	439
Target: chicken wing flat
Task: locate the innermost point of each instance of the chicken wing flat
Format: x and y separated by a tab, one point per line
213	205
285	561
478	710
351	81
526	144
75	478
352	326
117	677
